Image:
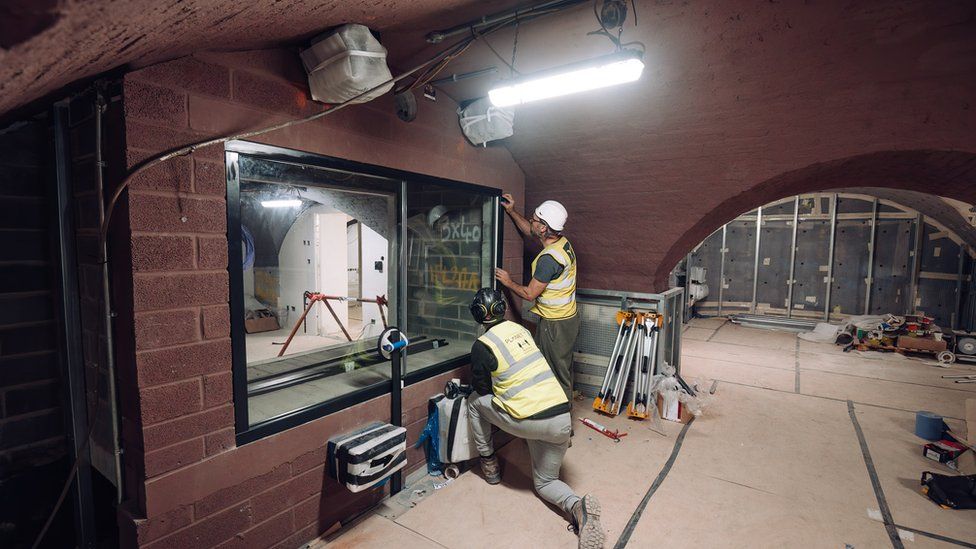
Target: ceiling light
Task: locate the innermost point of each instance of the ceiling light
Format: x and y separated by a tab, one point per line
293	203
610	70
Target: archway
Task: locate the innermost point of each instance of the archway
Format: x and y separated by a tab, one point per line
951	174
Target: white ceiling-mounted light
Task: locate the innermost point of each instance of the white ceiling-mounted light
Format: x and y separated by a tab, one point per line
610	70
287	203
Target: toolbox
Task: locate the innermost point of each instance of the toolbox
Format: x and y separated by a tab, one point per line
363	458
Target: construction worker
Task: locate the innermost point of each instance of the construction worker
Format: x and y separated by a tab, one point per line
515	390
552	287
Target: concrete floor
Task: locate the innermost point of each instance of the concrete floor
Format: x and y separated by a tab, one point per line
775	461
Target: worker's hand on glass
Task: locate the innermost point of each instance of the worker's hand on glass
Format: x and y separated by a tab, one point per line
508	201
502	276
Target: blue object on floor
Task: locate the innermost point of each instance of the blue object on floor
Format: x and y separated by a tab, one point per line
929	425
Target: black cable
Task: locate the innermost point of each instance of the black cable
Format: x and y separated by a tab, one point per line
515	44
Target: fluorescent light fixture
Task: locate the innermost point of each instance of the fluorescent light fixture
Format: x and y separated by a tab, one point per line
293	203
601	72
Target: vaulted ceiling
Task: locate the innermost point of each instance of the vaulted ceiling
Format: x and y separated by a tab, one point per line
47	44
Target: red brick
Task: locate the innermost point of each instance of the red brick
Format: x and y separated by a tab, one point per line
166	328
217	389
170	401
216	321
162	253
183	214
263	535
167	365
213	252
153	292
309	460
172	175
288	494
270	94
154	104
144	140
148	530
335	504
188	73
173	457
210	532
219	442
209	177
239	492
188	427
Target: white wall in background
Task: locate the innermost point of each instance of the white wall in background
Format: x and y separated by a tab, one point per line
332	278
295	272
374	248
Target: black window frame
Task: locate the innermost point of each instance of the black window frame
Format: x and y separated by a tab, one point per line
244	432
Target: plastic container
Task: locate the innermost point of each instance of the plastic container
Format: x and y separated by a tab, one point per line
345	63
482	122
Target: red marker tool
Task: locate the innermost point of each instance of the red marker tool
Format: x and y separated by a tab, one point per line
613	435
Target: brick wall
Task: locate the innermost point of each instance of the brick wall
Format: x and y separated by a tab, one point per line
31	416
187	483
739	95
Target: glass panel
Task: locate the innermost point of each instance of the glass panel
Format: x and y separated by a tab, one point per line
319	279
450	243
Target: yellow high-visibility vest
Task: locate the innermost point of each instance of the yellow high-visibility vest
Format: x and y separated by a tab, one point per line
523	383
558	300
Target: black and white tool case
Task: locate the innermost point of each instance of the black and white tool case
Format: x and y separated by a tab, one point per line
363	458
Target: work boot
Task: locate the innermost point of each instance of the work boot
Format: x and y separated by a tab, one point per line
491	469
586	518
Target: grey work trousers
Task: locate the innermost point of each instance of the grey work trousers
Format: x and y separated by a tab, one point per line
547	439
556	339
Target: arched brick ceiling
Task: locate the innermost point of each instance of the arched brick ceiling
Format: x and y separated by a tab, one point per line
47	44
928	205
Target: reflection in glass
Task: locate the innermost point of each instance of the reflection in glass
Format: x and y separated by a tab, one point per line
449	252
318	282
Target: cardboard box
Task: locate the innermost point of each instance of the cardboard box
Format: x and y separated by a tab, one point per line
259	321
943	451
920	343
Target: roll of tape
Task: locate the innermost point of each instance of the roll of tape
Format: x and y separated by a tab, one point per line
452	472
929	425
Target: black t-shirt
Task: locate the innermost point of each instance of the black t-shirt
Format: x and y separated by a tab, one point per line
547	269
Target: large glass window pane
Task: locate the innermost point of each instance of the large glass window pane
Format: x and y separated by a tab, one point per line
450	250
319	271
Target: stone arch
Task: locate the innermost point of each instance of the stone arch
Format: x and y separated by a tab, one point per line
951	174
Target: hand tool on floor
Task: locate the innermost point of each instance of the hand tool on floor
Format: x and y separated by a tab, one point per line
613	435
959	377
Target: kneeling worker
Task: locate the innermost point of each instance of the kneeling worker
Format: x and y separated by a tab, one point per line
518	392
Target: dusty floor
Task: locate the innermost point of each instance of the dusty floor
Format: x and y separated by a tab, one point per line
774	462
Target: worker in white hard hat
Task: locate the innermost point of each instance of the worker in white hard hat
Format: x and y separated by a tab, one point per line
552	286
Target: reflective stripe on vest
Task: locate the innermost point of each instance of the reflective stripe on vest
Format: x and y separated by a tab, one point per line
558	299
515	366
523	382
541	376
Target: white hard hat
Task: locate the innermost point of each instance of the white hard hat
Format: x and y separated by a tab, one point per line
435	213
553	213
